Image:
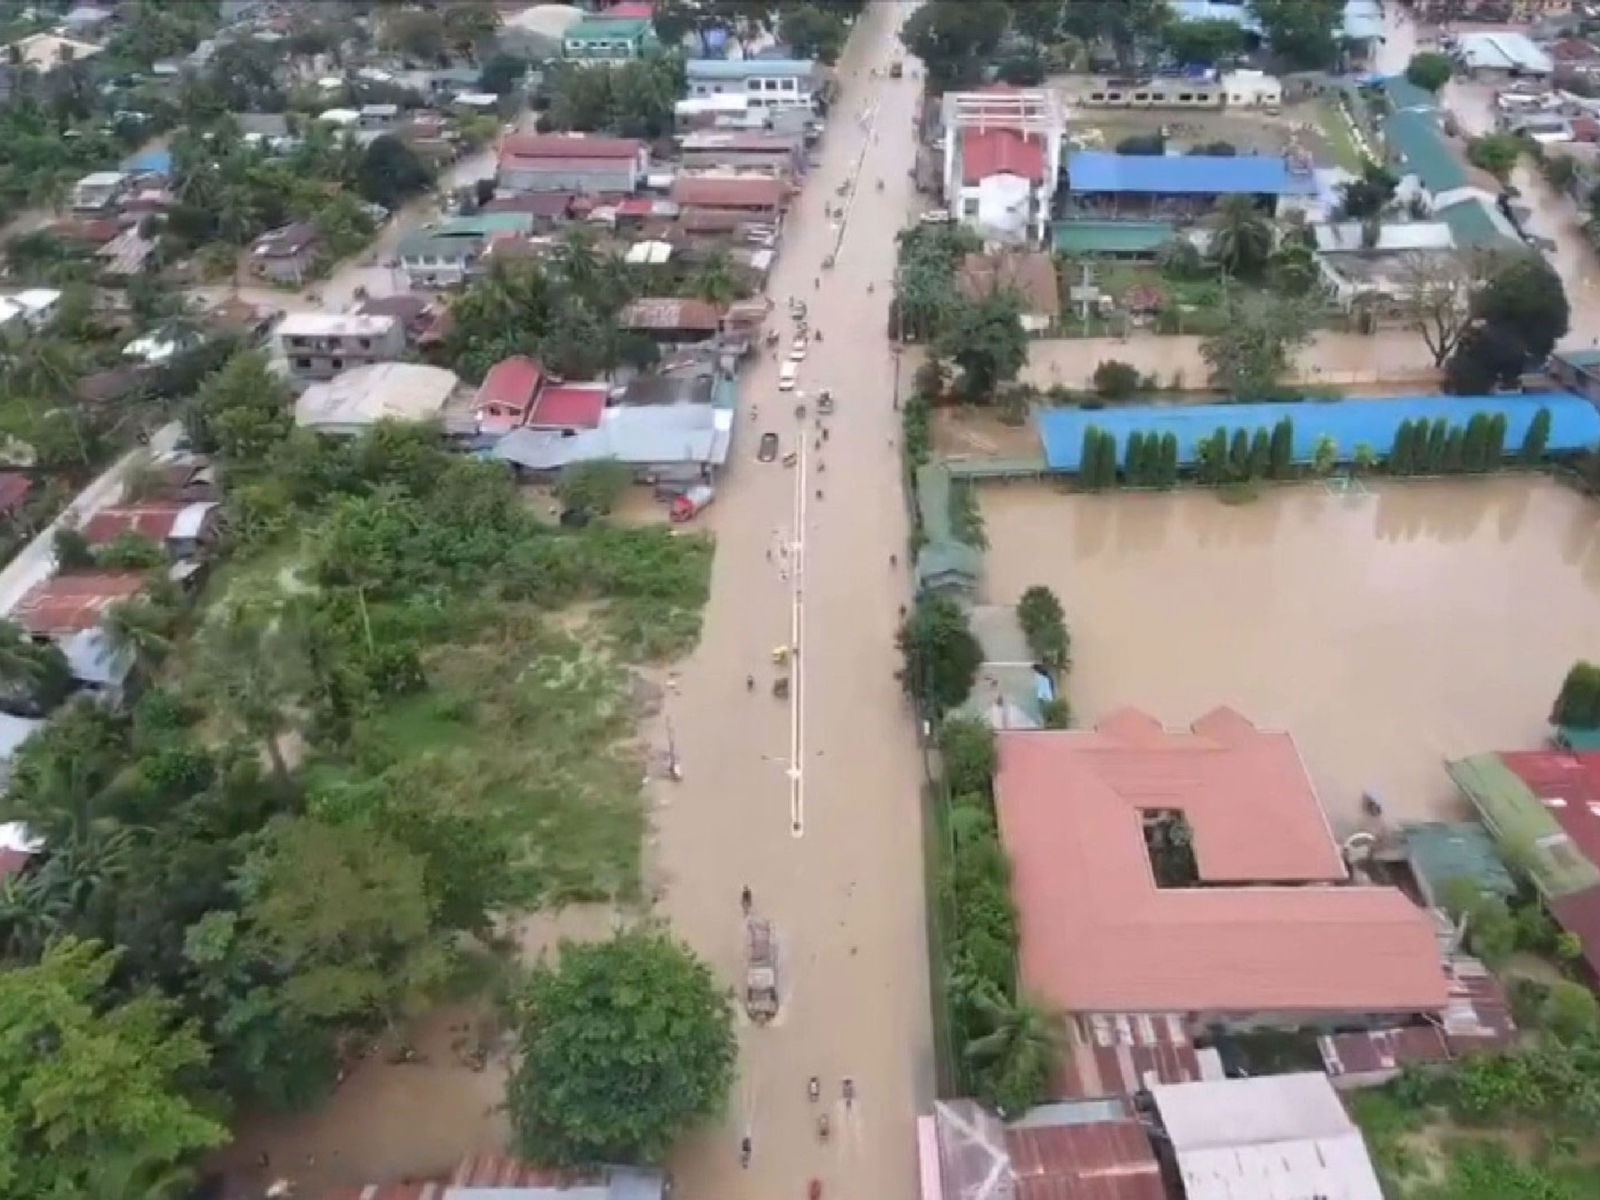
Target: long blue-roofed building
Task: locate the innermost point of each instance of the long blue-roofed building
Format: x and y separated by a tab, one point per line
1101	184
1574	423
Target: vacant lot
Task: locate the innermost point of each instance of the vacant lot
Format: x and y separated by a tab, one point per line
1248	132
1387	631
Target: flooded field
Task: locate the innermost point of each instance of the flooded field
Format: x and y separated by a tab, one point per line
1387	631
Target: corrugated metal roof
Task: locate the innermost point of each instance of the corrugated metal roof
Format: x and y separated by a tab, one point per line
1415	137
1574	423
1274	1137
1110	1160
640	435
1098	935
1112	237
1186	174
1516	817
1445	850
743	68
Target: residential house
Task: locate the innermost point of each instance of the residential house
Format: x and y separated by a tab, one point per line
44	52
781	155
99	191
183	529
548	209
285	254
126	254
671	320
505	398
378	118
86	20
32	307
413	312
387	391
452	252
63	605
571	162
1030	275
608	43
491	1177
751	197
1261	927
659	443
269	130
768	82
322	345
568	408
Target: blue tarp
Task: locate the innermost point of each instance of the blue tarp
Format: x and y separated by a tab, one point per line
151	162
1185	174
1574	423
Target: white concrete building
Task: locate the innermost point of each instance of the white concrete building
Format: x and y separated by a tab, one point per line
98	191
1002	160
323	345
356	400
768	83
1252	89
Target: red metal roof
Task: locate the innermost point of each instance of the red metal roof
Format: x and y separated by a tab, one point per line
511	383
1121	1054
14	489
986	152
670	313
628	10
567	146
1382	1050
568	406
711	191
551	205
154	521
1568	784
1097	934
1579	913
65	604
1106	1160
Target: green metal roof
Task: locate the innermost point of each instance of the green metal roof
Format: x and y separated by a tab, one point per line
1473	226
1422	148
1112	237
607	29
1523	825
425	244
1403	93
1445	850
482	224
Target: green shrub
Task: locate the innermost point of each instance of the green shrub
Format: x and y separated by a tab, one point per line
968	749
1044	624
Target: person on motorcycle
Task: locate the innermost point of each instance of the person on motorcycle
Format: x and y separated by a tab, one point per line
849	1089
745	899
744	1151
814	1087
822	1126
749	683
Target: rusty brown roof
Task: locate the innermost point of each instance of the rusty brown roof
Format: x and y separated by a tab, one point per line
1106	1160
1031	274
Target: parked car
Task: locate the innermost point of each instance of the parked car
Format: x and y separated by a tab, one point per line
768	450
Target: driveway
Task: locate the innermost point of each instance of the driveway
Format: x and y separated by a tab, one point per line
844	890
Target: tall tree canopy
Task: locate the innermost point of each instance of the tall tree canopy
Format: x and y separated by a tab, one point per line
625	1044
955	37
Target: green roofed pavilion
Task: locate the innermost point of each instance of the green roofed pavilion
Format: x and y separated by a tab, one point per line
1123	239
1523	826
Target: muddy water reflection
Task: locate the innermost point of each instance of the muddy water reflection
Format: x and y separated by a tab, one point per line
1387	630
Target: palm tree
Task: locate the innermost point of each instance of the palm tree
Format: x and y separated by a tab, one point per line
140	630
30	673
714	282
1011	1064
258	670
1241	237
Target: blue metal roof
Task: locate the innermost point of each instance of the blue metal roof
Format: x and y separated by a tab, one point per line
154	162
1574	422
1186	174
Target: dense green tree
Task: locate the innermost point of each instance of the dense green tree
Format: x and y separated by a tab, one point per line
1402	455
1114	380
1089	458
256	672
1571	1012
1011	1063
502	73
1204	42
1133	458
1494	451
1486	356
1169	459
1429	70
34	678
941	655
1524	295
343	915
1260	455
1536	438
94	1091
594	486
1127	27
812	31
1325	454
1239	454
1578	702
1301	32
633	99
985	338
1241	237
624	1045
967	751
1454	450
1106	467
242	411
1368	195
1475	442
1252	353
954	38
1496	153
1282	455
391	172
1044	624
1438	431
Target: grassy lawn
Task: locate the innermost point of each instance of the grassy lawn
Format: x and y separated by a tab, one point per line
1341	146
526	730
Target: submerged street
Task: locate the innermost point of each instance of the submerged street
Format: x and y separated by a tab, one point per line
832	856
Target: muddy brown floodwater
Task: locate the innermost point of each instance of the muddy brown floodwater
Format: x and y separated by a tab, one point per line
1387	631
845	894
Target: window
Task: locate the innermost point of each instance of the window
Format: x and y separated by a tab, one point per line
1114	97
969	207
302	364
336	363
789	85
1141	97
297	342
1096	97
366	343
1185	97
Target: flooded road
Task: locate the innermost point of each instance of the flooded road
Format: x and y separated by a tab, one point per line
845	893
1386	631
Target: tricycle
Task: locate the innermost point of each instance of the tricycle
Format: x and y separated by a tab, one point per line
825	401
780	687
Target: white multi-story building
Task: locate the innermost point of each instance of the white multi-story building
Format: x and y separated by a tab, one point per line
768	82
322	345
1002	160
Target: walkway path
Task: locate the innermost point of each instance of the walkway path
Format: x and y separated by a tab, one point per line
844	890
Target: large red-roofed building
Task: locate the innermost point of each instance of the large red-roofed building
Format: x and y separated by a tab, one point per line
66	604
569	407
505	398
1272	928
571	162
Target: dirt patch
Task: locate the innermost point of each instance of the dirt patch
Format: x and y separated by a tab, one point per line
979	433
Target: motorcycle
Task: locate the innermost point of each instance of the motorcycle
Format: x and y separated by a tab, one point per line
814	1089
822	1127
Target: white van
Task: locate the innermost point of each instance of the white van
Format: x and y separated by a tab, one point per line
787	375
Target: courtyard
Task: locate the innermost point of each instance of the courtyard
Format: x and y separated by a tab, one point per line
1387	630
